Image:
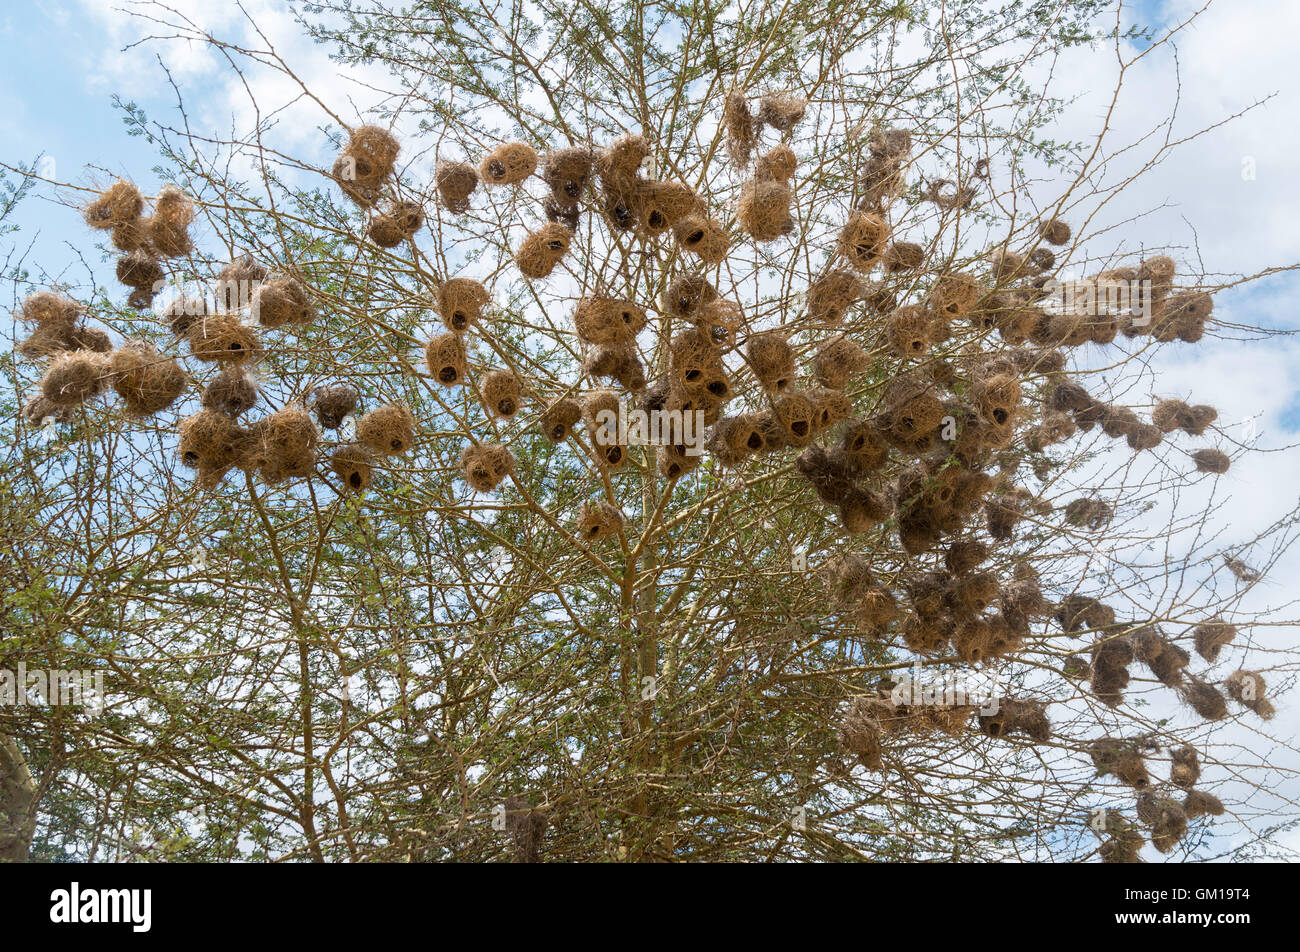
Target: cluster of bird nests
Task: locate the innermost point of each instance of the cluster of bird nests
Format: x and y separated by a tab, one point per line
1163	808
221	330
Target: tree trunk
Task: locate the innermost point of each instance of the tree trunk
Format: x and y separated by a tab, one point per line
17	804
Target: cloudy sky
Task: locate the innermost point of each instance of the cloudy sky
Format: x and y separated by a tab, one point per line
1225	199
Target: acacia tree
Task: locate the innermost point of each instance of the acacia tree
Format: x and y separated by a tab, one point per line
462	625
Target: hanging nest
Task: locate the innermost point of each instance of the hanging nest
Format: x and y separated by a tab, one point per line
500	393
48	309
781	111
861	730
1185	767
1122	759
597	520
1144	436
232	392
973	640
861	509
1160	271
1122	846
1205	699
223	338
1165	818
673	463
287	444
777	165
485	466
211	443
702	236
140	270
282	301
567	215
542	250
1088	513
130	235
661	205
334	402
1211	461
1185	317
955	295
864	447
1118	422
560	418
398	222
1198	803
1078	613
763	209
50	339
1040	261
1069	397
1055	232
880	182
1023	597
623	158
696	365
527	826
735	439
1017	717
183	312
38	411
619	362
1056	427
793	413
908	331
168	227
924	636
367	161
354	465
608	321
910	409
445	357
1249	688
718	321
965	555
119	204
831	295
742	137
460	303
903	256
948	195
1001	515
772	360
837	361
862	240
235	285
685	295
971	594
565	172
508	164
601	410
147	382
456	182
388	430
1172	415
74	377
830	473
1212	636
876	609
830	406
